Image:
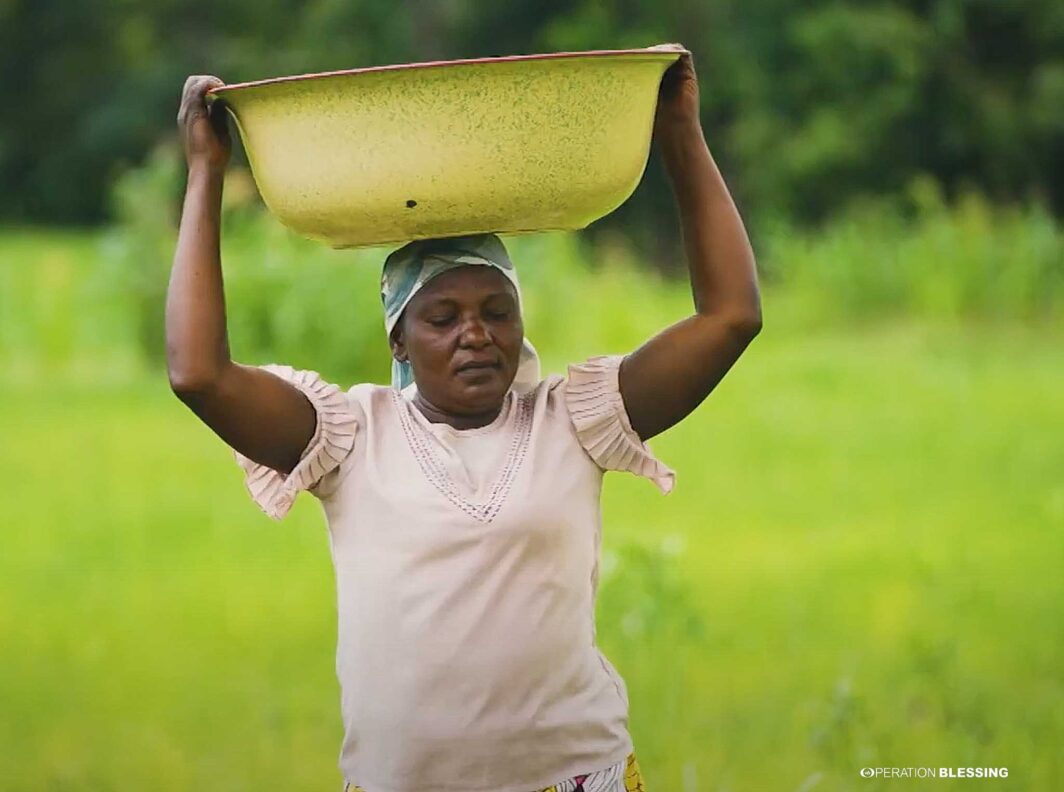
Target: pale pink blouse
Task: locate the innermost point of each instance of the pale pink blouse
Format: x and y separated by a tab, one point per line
466	569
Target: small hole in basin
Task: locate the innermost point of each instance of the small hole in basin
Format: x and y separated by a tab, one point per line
411	204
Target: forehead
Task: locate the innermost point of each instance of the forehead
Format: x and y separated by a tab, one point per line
469	283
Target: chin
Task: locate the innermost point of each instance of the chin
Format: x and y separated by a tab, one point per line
481	395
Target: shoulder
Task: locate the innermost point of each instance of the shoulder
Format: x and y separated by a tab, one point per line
587	387
589	382
589	398
372	402
368	396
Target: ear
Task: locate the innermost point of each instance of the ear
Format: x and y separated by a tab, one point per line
398	344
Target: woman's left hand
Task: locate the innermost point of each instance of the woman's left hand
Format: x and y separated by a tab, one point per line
677	97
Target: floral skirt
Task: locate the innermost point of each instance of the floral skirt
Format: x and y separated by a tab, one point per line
602	781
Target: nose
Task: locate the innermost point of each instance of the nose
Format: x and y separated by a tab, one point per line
474	333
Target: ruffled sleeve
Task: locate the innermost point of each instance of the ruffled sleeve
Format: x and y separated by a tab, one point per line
593	398
334	437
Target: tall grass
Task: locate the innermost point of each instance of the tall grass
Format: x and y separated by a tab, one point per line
968	260
856	567
100	299
859	567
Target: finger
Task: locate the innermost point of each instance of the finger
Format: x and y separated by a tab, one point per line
672	74
189	94
218	118
198	84
193	95
670	47
210	83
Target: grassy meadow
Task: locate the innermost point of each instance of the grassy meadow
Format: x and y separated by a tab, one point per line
859	566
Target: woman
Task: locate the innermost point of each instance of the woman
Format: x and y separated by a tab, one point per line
463	501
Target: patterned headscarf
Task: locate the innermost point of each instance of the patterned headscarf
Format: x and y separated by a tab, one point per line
410	267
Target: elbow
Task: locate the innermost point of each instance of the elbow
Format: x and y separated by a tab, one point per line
192	375
738	319
188	384
745	325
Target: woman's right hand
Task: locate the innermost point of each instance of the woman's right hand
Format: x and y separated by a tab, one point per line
203	127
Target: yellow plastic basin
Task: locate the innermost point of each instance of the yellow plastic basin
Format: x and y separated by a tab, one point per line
394	153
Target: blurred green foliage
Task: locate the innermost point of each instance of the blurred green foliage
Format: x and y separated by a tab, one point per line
807	106
856	567
968	260
854	570
298	301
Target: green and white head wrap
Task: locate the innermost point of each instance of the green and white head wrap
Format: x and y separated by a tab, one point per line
410	267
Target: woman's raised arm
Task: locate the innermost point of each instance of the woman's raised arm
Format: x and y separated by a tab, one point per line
672	373
258	414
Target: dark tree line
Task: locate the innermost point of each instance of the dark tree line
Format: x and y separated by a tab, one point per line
808	106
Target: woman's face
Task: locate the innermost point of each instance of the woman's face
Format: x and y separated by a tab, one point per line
467	315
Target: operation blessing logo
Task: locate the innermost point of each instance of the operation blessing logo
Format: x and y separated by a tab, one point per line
934	772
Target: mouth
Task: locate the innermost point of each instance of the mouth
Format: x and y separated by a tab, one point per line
477	366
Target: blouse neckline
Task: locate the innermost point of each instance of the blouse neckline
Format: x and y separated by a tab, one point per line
416	427
445	427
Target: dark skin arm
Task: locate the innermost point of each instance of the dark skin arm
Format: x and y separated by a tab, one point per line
258	414
664	380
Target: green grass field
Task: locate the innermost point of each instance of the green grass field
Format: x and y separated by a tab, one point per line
859	566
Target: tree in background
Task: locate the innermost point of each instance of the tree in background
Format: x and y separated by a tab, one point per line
808	107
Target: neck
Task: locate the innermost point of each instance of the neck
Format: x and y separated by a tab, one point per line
470	421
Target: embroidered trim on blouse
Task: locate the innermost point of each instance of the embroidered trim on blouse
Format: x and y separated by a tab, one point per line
435	471
602	426
334	437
